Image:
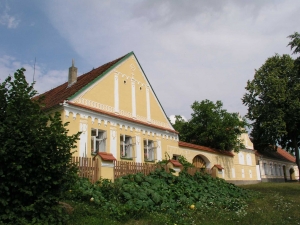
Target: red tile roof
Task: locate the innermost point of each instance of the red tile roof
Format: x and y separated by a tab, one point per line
286	155
57	95
218	166
106	156
280	154
175	163
203	148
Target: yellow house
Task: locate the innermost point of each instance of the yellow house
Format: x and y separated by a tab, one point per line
118	112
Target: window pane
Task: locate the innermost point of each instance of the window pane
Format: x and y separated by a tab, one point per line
94	132
98	141
126	146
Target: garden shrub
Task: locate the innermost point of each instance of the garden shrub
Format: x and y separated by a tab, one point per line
133	196
35	153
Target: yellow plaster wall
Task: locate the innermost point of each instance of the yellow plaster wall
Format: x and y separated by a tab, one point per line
103	91
156	111
238	166
168	145
141	106
125	94
124	79
246	141
74	127
107	173
190	154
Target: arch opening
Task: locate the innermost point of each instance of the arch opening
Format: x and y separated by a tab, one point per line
200	161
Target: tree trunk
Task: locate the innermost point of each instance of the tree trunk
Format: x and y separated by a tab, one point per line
295	143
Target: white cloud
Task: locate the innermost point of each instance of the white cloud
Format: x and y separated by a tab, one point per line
8	20
192	50
44	79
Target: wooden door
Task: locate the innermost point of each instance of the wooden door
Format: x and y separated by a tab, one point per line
199	162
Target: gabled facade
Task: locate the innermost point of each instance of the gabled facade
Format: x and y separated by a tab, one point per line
118	114
117	111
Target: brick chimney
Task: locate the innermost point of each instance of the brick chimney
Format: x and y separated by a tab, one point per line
72	75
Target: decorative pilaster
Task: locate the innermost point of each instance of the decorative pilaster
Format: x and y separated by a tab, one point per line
148	104
159	151
116	93
113	143
83	151
133	99
138	149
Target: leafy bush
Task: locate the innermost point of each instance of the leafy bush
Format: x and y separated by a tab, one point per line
35	155
133	196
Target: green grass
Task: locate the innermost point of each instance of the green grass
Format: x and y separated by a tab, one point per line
275	203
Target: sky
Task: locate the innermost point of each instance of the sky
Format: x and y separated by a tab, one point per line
189	50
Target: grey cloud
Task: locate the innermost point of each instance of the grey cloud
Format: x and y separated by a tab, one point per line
166	13
189	50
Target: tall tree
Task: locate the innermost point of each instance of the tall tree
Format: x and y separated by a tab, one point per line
35	154
212	126
295	42
273	100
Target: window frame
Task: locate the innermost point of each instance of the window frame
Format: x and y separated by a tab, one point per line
101	137
175	157
126	146
248	159
271	169
149	149
265	168
241	158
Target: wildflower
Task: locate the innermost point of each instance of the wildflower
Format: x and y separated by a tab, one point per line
92	199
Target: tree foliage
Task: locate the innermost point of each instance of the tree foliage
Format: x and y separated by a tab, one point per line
135	195
35	155
212	126
295	42
273	100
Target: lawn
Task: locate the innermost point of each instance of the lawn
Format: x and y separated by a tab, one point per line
274	203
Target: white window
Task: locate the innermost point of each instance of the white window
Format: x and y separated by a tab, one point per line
265	169
175	157
249	160
98	141
250	173
241	158
149	150
275	170
271	169
126	146
233	172
280	170
243	173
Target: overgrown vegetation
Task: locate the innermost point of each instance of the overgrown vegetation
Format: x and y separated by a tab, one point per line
35	152
271	203
138	196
